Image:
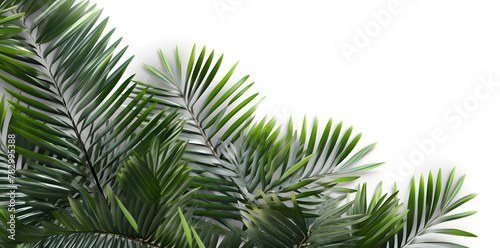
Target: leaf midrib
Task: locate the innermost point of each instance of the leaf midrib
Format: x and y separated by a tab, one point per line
81	142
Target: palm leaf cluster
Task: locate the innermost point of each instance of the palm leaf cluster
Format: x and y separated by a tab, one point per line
103	160
248	155
362	222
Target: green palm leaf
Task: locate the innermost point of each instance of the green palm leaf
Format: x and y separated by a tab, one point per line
72	116
207	106
247	156
69	95
275	224
144	213
429	205
102	161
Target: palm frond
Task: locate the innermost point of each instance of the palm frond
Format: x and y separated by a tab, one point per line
384	216
212	115
248	156
429	204
364	223
154	185
71	106
74	119
274	163
208	105
275	224
97	160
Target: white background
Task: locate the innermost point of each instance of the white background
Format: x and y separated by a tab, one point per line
403	84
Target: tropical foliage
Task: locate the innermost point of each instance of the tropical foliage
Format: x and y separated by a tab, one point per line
91	158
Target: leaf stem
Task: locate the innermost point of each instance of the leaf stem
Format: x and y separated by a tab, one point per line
419	232
208	144
198	125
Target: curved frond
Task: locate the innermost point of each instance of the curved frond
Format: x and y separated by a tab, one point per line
95	159
429	204
71	111
75	120
248	156
207	103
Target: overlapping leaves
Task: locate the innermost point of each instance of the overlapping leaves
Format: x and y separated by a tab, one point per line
377	222
80	129
235	156
68	96
74	118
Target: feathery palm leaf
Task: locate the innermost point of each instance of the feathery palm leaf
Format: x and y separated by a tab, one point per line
74	121
80	128
235	157
360	223
68	89
384	216
144	214
430	204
